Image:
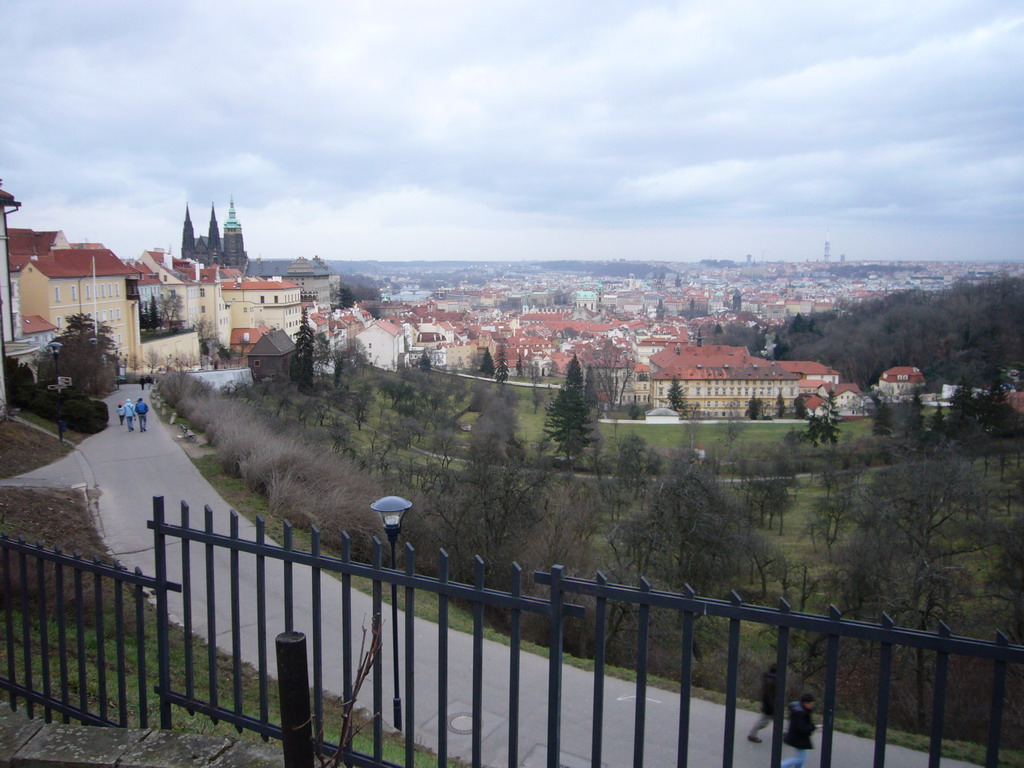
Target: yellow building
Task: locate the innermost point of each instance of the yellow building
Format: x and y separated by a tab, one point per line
720	381
88	281
273	303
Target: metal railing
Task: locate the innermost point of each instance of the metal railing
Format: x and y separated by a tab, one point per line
242	591
70	625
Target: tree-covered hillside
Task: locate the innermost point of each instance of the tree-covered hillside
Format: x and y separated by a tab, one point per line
966	333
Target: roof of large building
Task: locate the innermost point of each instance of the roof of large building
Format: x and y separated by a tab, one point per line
913	375
256	285
808	368
82	263
300	267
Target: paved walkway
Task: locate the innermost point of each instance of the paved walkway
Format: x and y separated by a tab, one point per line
125	470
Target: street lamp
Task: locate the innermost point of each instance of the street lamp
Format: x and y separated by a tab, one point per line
391	510
55	347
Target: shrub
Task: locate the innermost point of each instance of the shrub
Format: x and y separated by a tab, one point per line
85	415
82	414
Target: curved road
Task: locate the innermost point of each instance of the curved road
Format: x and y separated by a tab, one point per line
125	470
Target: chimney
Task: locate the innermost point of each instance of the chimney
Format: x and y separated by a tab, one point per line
679	348
168	261
197	271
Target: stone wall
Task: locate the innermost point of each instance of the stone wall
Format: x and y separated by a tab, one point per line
28	743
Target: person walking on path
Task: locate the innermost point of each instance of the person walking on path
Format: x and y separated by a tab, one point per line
120	411
800	729
129	415
141	409
767	703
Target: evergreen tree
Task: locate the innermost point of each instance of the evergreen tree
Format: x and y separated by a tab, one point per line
780	406
937	422
676	398
913	419
88	355
800	407
501	369
487	363
824	428
755	407
993	411
519	367
302	358
883	420
568	418
424	363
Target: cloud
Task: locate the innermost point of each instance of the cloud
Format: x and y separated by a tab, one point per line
456	120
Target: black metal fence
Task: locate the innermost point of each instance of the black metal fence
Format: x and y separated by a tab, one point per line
75	630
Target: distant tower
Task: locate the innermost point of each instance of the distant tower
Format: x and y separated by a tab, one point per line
828	246
188	237
233	254
213	238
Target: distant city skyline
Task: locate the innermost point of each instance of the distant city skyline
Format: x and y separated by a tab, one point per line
511	131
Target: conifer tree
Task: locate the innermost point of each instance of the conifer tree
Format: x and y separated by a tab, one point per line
676	398
568	418
501	369
424	363
824	428
755	407
302	358
487	364
800	407
519	366
780	406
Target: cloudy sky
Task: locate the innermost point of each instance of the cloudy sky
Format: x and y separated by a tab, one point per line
514	129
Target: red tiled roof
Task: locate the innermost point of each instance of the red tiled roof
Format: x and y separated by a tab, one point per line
79	263
36	324
913	375
255	334
808	368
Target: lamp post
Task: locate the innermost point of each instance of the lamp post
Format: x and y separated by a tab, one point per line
55	347
391	510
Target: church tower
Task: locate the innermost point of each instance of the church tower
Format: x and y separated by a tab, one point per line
233	254
188	237
213	238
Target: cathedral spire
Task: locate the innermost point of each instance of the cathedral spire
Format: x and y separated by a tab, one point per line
232	222
213	238
188	236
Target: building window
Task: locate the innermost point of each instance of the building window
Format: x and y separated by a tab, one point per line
56	294
263	299
202	293
74	293
59	322
256	363
202	309
117	289
119	339
276	298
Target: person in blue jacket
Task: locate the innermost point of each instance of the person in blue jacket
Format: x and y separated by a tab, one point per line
129	415
800	729
141	409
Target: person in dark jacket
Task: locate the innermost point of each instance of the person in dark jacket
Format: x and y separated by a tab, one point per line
800	729
767	703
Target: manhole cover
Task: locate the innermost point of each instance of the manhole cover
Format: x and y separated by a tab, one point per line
461	723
